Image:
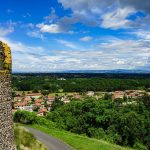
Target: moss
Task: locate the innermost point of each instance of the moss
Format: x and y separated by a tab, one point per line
5	57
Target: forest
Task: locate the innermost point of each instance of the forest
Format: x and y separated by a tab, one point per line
80	82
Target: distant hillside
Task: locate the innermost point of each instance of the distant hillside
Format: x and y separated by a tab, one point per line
108	71
117	71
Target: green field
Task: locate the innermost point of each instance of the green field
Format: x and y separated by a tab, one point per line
79	142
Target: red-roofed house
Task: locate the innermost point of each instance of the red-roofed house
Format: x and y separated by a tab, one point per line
39	101
37	104
20	105
118	94
42	112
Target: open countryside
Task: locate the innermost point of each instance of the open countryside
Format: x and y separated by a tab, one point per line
75	75
115	109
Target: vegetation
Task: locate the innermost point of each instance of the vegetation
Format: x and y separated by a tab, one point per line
79	142
76	141
57	103
25	140
125	122
121	123
26	117
53	84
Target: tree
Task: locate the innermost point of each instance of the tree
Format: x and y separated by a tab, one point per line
32	100
107	96
44	92
57	103
146	101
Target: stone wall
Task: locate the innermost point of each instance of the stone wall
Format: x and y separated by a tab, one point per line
6	123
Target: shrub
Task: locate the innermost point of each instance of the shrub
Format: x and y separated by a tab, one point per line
96	133
139	146
27	117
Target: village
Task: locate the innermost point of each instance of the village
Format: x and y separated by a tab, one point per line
38	102
42	104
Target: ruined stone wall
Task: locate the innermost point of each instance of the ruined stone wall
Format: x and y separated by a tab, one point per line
6	124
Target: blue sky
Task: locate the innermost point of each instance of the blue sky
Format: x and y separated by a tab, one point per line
57	35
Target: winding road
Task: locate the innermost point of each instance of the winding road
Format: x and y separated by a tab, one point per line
50	142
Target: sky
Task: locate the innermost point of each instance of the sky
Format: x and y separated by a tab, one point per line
58	35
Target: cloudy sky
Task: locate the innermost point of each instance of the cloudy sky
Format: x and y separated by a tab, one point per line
57	35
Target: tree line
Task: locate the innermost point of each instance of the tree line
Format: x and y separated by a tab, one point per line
52	84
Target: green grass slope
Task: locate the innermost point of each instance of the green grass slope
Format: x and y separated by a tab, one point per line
79	142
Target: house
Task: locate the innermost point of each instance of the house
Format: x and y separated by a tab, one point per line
39	101
20	105
42	112
65	99
61	79
28	108
18	98
90	93
50	100
27	99
127	94
37	105
77	96
118	94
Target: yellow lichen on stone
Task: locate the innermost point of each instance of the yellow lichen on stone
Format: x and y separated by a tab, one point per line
5	58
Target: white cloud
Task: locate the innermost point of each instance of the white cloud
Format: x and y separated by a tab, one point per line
113	54
52	28
143	34
36	34
29	25
86	38
52	17
120	62
117	18
19	47
5	32
112	14
67	44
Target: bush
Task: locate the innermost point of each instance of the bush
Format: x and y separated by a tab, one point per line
112	135
27	117
139	146
44	122
96	133
24	117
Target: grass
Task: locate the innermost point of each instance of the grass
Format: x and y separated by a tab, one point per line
25	140
79	142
